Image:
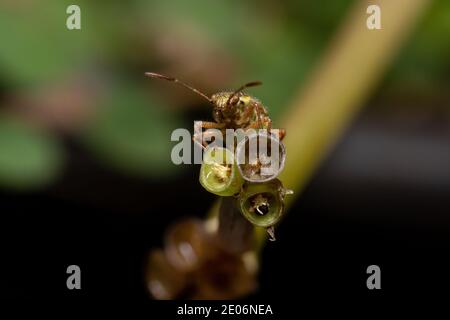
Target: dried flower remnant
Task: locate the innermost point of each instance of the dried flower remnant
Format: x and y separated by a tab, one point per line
224	276
184	244
164	281
203	271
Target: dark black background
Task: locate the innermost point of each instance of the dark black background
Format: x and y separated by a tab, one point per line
107	223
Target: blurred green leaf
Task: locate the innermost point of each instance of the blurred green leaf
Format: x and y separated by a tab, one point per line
426	57
132	133
29	158
36	45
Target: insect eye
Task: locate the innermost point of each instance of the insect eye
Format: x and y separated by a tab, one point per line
235	100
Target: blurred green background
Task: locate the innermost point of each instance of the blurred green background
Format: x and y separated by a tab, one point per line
88	85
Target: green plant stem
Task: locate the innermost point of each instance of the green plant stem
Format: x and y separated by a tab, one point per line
234	231
345	77
349	71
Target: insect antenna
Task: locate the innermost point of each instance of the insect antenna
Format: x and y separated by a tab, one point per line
247	85
161	76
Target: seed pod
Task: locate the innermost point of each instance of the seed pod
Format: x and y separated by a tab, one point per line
219	173
262	203
260	156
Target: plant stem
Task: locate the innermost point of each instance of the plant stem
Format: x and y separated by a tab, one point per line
234	232
351	68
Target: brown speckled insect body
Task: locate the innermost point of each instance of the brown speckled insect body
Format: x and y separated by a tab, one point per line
231	109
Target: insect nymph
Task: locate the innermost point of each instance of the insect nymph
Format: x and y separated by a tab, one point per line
231	109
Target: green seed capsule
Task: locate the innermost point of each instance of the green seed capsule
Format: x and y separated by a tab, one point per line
262	203
219	173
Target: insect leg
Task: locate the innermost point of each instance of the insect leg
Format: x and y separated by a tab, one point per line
282	133
253	125
258	115
261	111
199	135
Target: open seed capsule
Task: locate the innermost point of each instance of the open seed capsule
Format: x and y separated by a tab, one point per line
262	203
260	156
219	173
